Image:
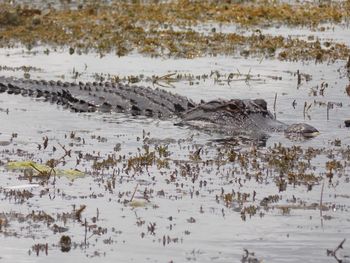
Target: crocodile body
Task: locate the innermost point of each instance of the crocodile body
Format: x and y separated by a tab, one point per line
230	117
105	97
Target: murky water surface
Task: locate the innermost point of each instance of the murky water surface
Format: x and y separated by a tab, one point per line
180	207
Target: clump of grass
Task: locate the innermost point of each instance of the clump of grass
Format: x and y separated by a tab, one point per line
148	29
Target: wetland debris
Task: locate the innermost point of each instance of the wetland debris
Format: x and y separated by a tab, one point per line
40	247
249	257
221	180
321	203
170	79
333	252
65	243
9	18
133	194
43	172
347	89
79	211
347	66
124	31
274	105
332	105
25	69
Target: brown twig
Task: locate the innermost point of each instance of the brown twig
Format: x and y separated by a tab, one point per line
85	238
132	197
321	203
299	78
328	107
46	174
274	103
167	79
333	253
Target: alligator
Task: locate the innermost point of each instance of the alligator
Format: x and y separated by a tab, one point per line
234	117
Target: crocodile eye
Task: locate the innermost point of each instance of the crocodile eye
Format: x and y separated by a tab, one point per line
149	112
231	107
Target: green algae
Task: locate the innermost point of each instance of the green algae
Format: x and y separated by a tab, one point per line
35	167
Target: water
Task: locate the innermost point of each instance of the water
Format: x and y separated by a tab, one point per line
191	217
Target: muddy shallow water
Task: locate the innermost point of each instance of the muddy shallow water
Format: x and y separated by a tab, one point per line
187	199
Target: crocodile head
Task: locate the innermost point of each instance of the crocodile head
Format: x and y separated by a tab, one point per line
249	118
233	117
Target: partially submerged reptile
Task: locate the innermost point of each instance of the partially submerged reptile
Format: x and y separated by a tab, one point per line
230	117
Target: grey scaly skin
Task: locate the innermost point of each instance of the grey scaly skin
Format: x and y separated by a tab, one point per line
229	117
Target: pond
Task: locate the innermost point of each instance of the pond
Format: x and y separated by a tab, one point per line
137	189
